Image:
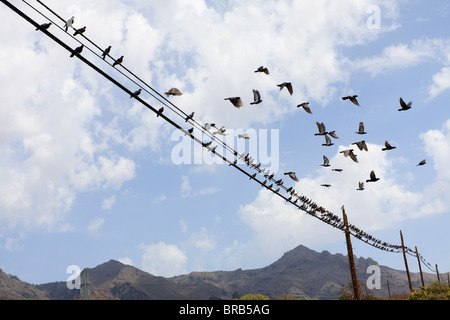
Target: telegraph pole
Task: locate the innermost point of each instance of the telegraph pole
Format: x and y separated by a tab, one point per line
406	263
350	257
437	272
420	268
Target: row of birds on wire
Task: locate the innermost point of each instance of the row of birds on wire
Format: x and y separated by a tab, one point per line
270	181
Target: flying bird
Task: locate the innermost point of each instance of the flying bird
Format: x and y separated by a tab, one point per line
421	163
328	142
118	61
388	146
337	170
160	111
244	136
106	52
305	106
322	129
404	106
262	69
236	101
292	176
373	178
361	128
326	162
44	26
77	50
80	31
189	117
349	153
352	99
325	185
361	145
333	134
256	97
173	92
286	85
69	23
136	93
360	186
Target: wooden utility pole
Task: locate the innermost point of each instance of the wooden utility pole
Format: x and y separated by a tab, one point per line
350	257
420	268
389	288
406	263
437	272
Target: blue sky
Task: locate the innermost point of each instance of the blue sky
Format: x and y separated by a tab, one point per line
89	174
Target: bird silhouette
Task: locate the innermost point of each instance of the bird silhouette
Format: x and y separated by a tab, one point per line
77	50
160	111
352	99
387	146
421	163
373	178
208	126
262	69
404	106
305	106
361	145
322	129
349	153
106	52
221	131
337	170
326	185
69	23
79	31
256	97
118	61
326	162
333	134
361	128
328	142
360	186
190	117
173	92
136	93
286	85
292	176
44	26
244	136
206	144
236	101
190	131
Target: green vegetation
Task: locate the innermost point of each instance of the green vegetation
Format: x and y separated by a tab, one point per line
254	296
433	291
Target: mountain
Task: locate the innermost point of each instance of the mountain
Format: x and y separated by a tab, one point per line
300	272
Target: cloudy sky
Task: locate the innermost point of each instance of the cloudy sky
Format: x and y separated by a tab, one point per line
88	174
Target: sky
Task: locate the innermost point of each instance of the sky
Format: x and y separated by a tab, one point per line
89	174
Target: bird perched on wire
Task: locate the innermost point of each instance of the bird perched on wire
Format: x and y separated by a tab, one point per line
160	111
361	128
173	92
190	117
44	26
69	23
77	50
79	31
387	146
326	162
118	61
286	85
136	93
404	106
262	69
305	106
292	176
421	163
236	101
349	153
106	52
373	178
208	126
360	186
256	97
361	145
352	99
222	131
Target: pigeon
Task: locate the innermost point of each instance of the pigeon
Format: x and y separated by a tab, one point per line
337	170
404	106
305	106
221	131
106	52
361	145
236	101
352	99
206	144
325	185
118	61
173	92
160	111
262	69
333	134
328	142
136	93
253	176
322	129
286	85
349	153
190	117
208	126
421	163
326	162
292	176
360	186
77	50
69	23
256	97
190	131
80	31
388	146
373	178
244	136
361	128
44	26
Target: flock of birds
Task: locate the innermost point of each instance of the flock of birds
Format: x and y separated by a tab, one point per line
270	182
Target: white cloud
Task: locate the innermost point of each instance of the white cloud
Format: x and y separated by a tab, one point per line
185	187
437	146
163	259
108	202
94	225
441	82
126	260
